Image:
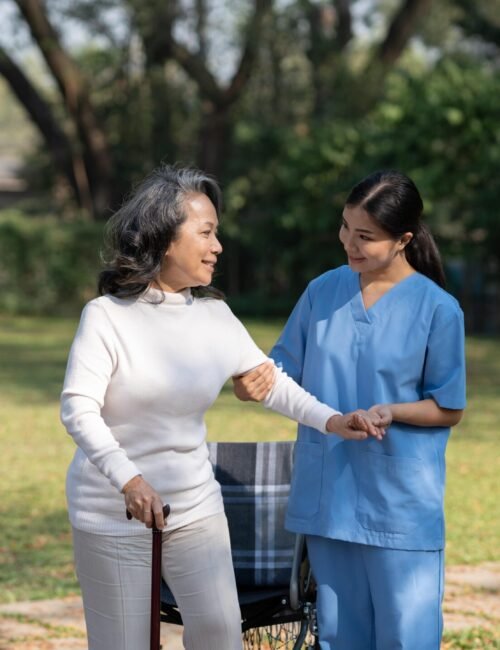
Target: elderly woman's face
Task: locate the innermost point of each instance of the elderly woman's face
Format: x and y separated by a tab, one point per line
190	260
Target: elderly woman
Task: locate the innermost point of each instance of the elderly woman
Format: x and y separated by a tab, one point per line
150	356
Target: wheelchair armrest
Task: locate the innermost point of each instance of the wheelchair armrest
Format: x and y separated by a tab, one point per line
295	586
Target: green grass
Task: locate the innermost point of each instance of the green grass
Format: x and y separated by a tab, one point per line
471	639
473	462
35	544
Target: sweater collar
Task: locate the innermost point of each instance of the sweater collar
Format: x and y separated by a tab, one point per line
159	297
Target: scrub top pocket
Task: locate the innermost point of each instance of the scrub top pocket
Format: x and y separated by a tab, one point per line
305	489
390	498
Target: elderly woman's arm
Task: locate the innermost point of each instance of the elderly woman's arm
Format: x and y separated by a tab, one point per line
277	391
89	369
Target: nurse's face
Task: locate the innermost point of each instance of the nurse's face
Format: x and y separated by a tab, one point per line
369	248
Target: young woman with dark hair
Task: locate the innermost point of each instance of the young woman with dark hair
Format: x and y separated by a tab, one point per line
150	356
380	333
394	202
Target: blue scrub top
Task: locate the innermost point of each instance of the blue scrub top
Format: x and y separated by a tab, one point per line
407	347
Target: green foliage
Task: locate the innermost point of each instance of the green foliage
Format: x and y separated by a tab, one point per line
292	160
442	128
47	265
284	206
286	187
286	194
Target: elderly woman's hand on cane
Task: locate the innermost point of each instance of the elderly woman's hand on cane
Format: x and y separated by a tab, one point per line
143	502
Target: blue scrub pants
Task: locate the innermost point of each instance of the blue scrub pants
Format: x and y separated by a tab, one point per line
372	598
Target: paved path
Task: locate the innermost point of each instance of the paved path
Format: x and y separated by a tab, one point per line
472	600
57	625
472	596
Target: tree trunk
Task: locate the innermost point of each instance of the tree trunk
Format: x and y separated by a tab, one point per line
215	139
330	30
216	126
162	143
74	90
402	28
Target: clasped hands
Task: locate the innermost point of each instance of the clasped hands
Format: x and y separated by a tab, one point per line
358	425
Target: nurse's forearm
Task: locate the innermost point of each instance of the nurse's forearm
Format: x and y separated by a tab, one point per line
425	413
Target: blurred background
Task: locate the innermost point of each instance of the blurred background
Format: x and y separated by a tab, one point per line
288	103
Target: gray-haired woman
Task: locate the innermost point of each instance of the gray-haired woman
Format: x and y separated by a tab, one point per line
149	358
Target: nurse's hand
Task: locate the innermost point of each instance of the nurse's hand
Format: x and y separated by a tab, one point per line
356	426
255	384
383	412
143	502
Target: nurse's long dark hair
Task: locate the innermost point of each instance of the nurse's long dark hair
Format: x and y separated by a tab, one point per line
393	200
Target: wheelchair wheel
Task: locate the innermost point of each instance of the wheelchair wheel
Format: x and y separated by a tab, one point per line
282	636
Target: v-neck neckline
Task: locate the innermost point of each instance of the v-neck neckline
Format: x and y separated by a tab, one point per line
366	314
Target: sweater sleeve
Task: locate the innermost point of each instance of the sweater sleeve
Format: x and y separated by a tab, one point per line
89	370
290	399
286	396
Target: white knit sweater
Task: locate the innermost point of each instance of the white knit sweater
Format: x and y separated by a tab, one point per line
140	377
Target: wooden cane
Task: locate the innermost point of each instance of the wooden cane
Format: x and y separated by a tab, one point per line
156	584
154	638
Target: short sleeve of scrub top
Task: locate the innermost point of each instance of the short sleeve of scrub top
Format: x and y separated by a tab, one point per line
444	371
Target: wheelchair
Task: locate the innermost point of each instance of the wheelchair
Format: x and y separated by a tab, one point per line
275	588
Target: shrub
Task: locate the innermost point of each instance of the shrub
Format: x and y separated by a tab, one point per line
47	266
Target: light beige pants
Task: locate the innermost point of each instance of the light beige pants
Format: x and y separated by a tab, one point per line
115	579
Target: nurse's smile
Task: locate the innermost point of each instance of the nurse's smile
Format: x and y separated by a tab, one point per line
354	260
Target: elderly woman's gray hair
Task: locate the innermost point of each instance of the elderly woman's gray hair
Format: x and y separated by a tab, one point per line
140	232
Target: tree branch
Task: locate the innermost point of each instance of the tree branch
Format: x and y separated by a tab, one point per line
400	30
330	27
194	64
56	140
195	67
344	24
249	55
201	25
160	44
474	23
74	90
330	31
64	70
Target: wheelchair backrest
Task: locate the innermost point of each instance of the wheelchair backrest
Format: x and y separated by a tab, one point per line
255	481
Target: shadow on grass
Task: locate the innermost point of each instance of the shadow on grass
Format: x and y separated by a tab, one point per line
483	365
33	353
32	371
37	558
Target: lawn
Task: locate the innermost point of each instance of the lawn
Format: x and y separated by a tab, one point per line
35	548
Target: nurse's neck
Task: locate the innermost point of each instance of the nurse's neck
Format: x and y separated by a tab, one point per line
380	279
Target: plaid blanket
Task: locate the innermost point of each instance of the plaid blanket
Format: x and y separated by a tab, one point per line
255	480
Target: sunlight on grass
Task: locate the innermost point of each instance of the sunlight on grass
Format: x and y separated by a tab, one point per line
35	544
471	639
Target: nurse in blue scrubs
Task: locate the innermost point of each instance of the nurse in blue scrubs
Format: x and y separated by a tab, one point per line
382	334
